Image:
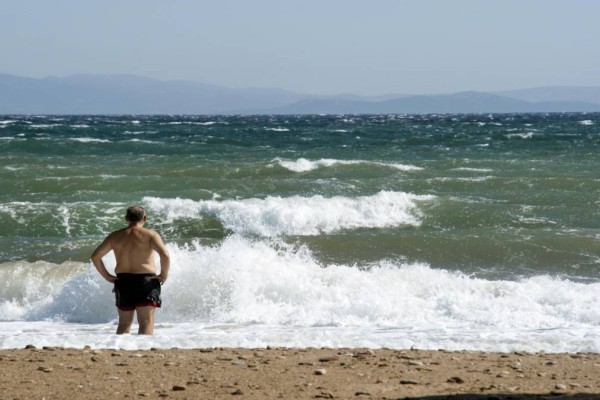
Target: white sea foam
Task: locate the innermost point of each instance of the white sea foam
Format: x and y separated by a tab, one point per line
468	169
80	126
65	217
298	215
43	126
304	165
525	135
277	129
207	123
7	122
256	293
586	122
461	179
143	141
89	140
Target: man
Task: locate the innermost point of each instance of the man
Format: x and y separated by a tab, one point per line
136	286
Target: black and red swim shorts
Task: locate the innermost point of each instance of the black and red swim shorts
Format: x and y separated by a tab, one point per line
137	290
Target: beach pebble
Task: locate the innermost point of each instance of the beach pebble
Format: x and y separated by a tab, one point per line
455	379
29	346
408	382
361	393
329	358
238	362
560	386
45	369
415	362
237	392
178	388
324	395
320	371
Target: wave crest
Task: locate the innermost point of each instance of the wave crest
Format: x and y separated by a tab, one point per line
296	215
305	165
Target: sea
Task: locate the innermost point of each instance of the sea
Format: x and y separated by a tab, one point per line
456	232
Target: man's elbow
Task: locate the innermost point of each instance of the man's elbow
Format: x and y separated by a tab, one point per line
95	258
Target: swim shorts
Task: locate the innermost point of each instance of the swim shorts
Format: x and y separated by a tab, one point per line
137	290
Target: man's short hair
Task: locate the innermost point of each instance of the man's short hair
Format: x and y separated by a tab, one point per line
135	214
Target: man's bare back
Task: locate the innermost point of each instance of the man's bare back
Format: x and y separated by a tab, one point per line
134	248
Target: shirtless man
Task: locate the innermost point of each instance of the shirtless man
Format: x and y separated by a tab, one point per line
137	286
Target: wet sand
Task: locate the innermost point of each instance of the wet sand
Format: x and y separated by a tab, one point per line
273	373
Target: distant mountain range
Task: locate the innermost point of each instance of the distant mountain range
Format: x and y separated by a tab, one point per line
130	94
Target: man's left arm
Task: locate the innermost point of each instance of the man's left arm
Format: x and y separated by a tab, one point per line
96	258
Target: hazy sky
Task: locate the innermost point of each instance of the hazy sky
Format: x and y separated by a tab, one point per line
310	46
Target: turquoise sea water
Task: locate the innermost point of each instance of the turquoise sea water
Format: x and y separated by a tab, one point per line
502	208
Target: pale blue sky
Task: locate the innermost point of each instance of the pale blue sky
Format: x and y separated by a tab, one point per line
313	47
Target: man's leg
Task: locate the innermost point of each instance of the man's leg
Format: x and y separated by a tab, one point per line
125	321
145	317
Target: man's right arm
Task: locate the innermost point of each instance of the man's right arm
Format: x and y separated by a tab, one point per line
96	257
165	259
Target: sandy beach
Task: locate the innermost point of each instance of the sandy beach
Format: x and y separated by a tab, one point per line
271	373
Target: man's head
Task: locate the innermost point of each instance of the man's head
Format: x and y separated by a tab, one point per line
135	214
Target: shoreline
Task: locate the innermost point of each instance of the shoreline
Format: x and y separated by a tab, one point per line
295	373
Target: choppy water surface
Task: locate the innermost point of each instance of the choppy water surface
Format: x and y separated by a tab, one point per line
452	231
